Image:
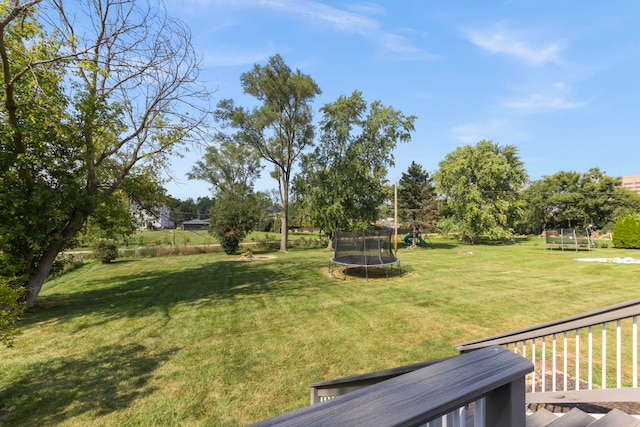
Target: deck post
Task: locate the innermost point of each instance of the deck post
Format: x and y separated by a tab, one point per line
504	407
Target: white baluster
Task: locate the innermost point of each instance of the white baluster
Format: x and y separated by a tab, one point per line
533	360
604	355
553	363
618	355
577	359
590	357
544	363
564	365
634	351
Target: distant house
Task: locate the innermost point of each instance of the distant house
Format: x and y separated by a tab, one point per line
196	224
158	218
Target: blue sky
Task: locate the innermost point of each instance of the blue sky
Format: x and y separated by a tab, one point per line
560	80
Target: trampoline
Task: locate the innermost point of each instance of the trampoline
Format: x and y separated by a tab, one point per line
364	249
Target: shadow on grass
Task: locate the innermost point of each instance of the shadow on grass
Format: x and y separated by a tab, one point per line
430	245
140	295
108	379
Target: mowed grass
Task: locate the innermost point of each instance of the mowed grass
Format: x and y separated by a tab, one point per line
205	340
170	237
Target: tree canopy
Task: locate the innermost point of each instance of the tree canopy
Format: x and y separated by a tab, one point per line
417	200
281	127
573	199
342	182
479	187
231	168
91	104
227	163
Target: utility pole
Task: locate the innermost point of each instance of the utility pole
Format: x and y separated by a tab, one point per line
395	219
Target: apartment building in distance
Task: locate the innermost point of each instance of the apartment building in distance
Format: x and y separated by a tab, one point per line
632	182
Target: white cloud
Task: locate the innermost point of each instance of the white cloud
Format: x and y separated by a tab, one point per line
402	47
499	39
222	58
339	19
471	133
501	131
367	7
539	102
357	21
554	97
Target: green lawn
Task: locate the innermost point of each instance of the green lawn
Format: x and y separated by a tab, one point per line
202	237
206	340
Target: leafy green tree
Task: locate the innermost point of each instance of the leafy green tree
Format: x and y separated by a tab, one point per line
231	168
343	180
91	103
227	163
417	201
183	210
573	199
111	219
204	205
479	188
281	127
237	210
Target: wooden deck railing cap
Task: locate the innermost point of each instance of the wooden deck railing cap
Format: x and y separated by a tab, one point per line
418	396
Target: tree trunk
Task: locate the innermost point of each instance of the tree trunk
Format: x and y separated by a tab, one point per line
330	244
284	241
284	195
34	285
37	279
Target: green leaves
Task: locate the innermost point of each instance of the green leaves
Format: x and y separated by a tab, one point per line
281	127
342	182
573	199
480	187
626	233
11	311
89	107
228	163
416	196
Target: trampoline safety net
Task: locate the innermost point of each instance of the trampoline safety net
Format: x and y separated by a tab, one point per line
365	248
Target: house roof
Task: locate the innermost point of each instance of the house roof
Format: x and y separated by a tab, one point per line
197	222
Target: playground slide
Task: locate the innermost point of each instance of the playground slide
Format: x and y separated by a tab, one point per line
408	240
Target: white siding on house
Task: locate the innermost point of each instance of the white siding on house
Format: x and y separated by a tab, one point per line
160	218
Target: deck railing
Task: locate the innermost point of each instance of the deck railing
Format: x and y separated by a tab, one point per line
589	357
481	388
493	379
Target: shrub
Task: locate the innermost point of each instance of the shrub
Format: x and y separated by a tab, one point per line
626	232
230	242
11	309
105	250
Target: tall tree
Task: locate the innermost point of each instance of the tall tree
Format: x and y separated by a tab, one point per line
86	110
281	127
573	199
417	196
227	163
479	188
231	168
342	182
